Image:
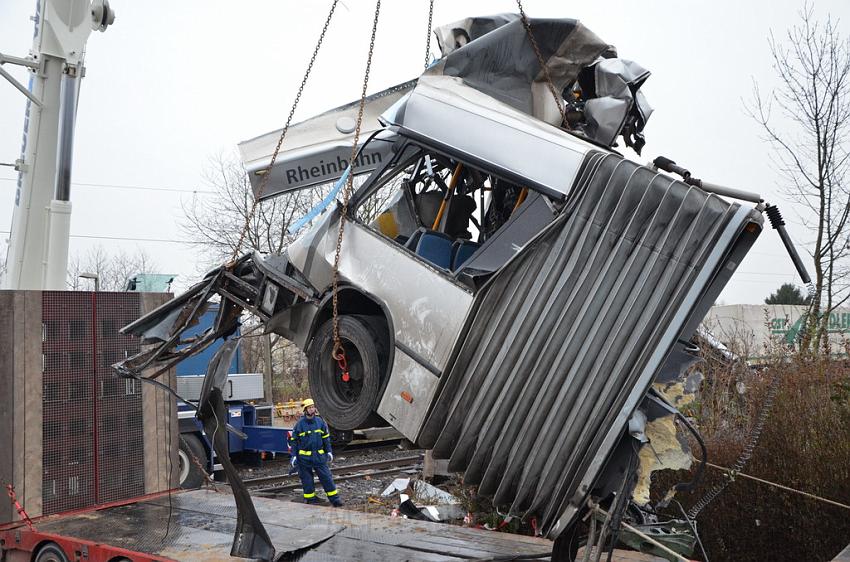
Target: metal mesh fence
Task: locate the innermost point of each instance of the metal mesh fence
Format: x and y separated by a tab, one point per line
92	423
120	447
69	411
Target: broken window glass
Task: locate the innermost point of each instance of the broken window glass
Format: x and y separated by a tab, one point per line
446	211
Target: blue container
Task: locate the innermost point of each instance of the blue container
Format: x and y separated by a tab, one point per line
197	364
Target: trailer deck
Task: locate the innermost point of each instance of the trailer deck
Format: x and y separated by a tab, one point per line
198	525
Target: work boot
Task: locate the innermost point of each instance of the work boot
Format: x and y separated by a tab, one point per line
336	502
311	501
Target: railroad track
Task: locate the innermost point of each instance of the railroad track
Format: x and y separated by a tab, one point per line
287	482
369	445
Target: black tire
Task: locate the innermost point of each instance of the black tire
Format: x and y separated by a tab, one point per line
190	474
50	552
565	547
347	404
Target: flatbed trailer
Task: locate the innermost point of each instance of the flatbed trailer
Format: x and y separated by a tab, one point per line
198	525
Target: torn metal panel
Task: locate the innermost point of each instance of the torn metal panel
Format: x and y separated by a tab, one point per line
455	35
250	537
397	485
429	493
264	286
601	93
158	324
503	65
614	103
294	323
518	231
565	333
440	505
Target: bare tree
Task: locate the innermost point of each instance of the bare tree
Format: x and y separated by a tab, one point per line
288	364
112	270
811	143
215	223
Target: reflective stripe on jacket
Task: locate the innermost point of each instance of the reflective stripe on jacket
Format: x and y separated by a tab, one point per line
310	438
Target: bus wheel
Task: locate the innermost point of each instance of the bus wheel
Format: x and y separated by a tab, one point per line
346	400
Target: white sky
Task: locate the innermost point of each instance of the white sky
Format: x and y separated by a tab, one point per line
172	84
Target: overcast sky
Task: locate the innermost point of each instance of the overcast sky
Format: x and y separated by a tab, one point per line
173	84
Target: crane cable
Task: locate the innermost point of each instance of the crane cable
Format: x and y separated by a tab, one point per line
338	352
266	175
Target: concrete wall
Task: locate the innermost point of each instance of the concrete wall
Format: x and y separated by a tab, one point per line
159	412
20	400
753	329
7	395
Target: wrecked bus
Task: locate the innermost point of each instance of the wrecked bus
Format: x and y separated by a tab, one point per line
513	295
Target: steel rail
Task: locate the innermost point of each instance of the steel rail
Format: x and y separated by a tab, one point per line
340	473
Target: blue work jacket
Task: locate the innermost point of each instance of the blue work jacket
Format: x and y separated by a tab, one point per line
310	440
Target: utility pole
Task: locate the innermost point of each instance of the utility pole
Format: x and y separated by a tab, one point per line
268	374
41	220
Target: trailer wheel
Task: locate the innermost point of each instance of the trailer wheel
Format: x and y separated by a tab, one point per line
346	403
50	552
191	475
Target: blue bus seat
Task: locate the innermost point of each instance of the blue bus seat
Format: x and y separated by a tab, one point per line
435	247
462	250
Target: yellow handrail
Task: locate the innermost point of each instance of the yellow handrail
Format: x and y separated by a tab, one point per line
452	184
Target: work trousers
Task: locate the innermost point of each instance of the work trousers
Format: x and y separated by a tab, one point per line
305	473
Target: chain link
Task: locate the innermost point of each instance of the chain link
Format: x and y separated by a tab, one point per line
268	172
208	478
338	352
428	36
22	513
543	66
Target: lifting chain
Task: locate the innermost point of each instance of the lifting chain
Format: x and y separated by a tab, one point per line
543	66
338	352
22	513
268	171
208	478
428	36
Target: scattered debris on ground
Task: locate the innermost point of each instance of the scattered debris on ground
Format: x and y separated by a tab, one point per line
444	499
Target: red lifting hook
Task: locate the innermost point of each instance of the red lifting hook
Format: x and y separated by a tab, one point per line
343	364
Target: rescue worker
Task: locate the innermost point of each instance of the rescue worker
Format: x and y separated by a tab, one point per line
310	450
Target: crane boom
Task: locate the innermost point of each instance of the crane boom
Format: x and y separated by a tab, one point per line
41	220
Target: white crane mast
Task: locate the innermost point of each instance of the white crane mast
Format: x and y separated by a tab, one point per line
41	220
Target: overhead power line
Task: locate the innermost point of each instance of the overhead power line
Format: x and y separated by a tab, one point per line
126	238
137	187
